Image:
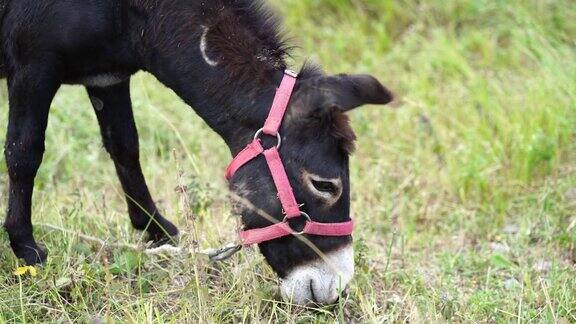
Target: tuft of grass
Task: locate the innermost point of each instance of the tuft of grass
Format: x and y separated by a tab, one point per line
464	193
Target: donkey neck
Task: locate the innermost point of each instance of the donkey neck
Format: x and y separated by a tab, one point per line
189	54
233	111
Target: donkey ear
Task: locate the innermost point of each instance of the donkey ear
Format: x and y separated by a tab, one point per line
353	91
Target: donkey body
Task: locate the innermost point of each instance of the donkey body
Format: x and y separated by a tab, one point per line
49	43
222	57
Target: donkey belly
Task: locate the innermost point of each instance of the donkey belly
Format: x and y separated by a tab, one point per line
101	79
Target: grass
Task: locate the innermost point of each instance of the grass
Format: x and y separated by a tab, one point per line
465	193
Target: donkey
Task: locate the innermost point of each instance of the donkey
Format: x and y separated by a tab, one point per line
224	58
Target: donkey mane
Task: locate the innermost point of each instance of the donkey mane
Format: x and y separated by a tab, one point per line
244	37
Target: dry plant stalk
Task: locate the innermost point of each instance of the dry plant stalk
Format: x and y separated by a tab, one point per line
184	199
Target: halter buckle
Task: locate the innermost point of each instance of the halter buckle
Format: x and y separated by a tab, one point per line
302	214
291	73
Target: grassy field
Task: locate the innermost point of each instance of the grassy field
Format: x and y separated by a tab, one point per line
464	193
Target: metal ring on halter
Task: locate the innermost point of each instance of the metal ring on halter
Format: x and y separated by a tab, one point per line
278	137
308	219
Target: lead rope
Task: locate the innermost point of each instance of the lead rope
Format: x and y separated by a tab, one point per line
214	255
223	253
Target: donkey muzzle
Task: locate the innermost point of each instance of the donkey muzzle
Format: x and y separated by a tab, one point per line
321	281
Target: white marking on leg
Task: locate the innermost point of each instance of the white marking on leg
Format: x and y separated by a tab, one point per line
204	47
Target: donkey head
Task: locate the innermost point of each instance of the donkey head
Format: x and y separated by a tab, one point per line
316	143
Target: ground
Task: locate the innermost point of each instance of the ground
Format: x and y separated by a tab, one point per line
464	192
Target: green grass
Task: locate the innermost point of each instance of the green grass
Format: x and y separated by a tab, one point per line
464	193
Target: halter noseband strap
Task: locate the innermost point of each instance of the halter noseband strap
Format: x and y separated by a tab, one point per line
285	192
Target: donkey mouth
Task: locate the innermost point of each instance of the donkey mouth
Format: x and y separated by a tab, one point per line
321	281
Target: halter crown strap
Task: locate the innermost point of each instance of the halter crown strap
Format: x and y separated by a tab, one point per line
281	181
280	104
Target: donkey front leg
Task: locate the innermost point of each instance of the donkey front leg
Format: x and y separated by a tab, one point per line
114	112
30	93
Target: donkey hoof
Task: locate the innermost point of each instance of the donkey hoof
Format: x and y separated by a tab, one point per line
163	240
31	254
169	235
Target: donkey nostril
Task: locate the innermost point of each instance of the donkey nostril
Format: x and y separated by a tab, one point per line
320	282
313	296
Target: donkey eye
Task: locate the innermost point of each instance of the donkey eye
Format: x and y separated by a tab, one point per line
329	190
325	186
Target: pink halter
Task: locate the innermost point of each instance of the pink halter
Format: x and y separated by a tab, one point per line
285	192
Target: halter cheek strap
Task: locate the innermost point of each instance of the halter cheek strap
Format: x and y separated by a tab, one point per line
285	192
